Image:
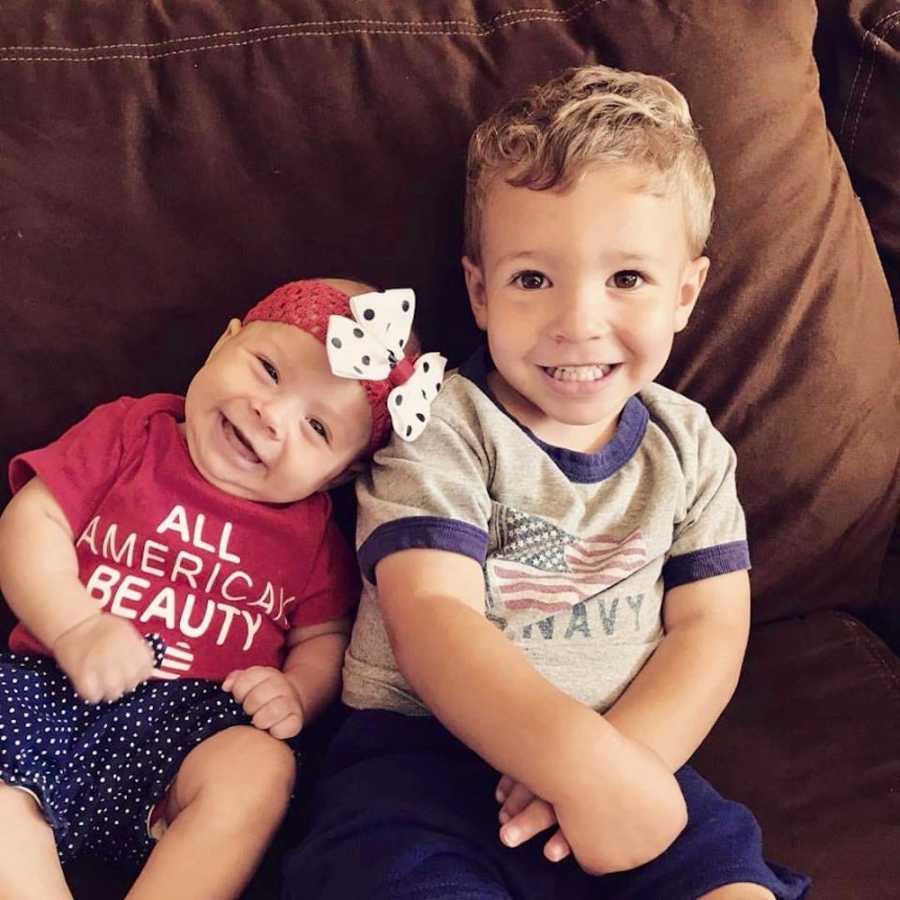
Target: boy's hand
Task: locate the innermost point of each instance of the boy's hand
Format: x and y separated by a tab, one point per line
105	657
524	815
268	695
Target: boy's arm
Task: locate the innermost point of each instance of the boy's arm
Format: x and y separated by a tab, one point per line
677	696
284	702
103	655
617	804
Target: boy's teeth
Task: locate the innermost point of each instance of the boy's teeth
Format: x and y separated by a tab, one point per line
577	373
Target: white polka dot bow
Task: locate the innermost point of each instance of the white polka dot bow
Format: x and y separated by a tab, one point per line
371	348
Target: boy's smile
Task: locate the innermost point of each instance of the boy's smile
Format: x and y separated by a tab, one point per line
580	292
266	419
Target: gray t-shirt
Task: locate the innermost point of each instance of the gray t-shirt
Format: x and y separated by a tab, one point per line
577	548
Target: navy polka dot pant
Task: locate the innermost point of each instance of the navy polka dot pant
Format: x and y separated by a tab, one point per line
98	770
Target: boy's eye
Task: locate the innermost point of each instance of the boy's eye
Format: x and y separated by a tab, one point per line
319	428
271	371
531	280
627	279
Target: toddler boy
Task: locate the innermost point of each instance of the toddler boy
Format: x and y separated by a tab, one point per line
556	572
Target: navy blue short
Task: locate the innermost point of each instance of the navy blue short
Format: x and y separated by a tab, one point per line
98	770
404	811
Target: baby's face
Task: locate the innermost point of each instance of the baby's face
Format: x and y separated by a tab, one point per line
580	292
265	418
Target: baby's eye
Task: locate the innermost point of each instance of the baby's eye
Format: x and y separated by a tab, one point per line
271	371
319	428
531	280
627	279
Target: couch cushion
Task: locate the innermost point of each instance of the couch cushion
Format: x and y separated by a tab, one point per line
859	44
163	169
811	742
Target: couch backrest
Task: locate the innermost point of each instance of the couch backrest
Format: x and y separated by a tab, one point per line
162	168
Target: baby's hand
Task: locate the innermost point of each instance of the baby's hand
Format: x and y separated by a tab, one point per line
524	815
269	696
104	656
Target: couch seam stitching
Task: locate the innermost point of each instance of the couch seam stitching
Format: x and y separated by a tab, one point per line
875	39
853	625
853	84
302	29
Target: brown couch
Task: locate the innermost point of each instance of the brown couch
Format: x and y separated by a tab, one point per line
163	165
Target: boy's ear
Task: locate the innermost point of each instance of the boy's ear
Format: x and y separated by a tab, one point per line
231	329
691	284
477	293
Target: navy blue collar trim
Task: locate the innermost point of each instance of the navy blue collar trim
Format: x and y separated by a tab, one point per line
583	468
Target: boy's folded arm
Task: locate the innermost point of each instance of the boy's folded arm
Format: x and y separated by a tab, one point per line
618	805
679	694
39	565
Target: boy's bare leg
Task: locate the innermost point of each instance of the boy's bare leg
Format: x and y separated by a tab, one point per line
29	863
225	804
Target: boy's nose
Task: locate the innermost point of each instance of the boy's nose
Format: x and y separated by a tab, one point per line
582	316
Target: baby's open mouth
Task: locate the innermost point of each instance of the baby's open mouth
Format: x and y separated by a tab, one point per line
240	443
589	372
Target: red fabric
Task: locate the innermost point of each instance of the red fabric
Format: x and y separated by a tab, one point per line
222	579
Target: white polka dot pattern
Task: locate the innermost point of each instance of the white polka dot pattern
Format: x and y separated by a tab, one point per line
99	769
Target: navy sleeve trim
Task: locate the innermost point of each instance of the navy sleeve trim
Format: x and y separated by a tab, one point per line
421	533
706	563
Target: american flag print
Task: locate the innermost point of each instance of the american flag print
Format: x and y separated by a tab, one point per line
541	569
176	661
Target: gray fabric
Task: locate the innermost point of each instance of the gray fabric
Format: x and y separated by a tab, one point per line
575	569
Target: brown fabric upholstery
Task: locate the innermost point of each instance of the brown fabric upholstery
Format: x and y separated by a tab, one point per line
811	742
162	167
859	46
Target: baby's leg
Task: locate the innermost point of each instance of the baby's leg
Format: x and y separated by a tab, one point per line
222	810
29	864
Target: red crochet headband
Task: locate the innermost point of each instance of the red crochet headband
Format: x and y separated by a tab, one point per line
307	305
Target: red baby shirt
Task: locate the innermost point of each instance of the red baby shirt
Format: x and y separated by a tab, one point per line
222	579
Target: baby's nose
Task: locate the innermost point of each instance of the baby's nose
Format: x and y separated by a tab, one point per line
273	414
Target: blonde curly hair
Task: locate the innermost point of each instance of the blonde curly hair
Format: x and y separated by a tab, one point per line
588	117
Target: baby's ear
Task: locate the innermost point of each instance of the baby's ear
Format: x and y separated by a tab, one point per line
477	293
691	284
231	329
354	469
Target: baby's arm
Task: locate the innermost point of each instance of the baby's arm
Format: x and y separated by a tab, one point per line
103	655
616	803
283	701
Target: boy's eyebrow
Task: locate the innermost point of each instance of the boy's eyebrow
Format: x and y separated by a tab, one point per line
618	255
518	254
633	256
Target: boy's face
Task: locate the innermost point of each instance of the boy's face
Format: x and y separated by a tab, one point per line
266	419
580	292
